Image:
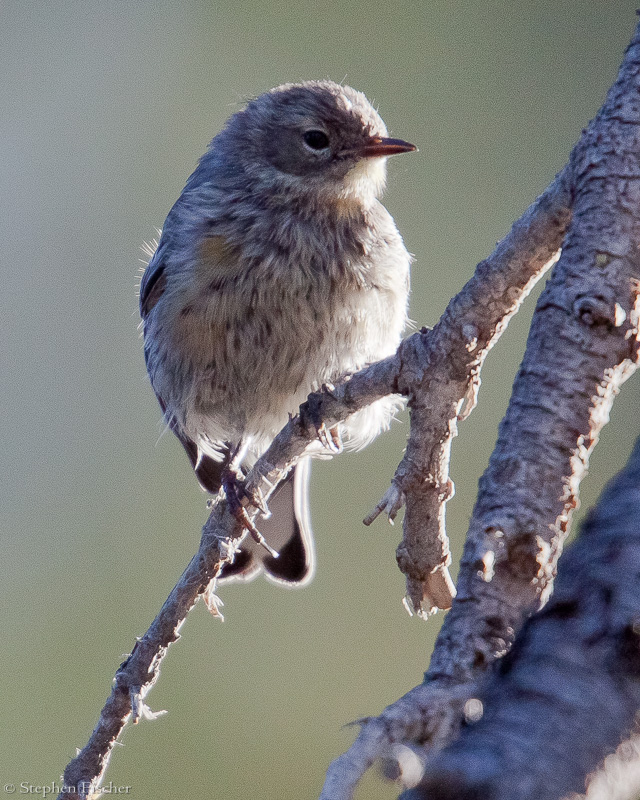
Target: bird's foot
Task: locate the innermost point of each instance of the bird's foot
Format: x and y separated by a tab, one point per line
234	489
311	413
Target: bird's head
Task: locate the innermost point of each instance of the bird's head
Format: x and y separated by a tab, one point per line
315	138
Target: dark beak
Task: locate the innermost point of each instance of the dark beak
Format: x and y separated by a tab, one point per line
377	147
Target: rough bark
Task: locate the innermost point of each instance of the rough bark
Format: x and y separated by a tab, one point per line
569	689
582	345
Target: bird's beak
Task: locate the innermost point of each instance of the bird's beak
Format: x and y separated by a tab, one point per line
378	147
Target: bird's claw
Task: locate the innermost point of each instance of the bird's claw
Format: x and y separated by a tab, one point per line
311	413
235	491
330	438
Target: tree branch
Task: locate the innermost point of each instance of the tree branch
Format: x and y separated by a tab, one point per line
568	690
138	674
455	349
444	376
582	345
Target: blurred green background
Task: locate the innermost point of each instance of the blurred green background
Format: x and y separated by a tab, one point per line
105	108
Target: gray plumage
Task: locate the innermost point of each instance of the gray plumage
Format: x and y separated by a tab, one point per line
277	270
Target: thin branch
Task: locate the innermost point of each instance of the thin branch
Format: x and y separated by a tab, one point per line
568	691
448	377
138	674
442	364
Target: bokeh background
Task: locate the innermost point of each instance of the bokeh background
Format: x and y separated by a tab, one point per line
105	107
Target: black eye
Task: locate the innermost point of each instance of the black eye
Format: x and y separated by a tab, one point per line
316	140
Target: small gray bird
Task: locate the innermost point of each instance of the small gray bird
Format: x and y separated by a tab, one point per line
277	271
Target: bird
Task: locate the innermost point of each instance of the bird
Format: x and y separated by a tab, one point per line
277	271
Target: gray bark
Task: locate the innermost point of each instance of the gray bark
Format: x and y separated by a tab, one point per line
569	690
583	345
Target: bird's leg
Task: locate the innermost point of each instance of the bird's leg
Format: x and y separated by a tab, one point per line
232	480
311	412
234	467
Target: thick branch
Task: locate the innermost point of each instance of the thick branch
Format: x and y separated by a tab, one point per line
568	691
582	345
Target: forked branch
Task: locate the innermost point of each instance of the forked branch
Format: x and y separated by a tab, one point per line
451	354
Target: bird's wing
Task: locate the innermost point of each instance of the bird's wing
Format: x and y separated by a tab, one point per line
208	470
288	529
152	285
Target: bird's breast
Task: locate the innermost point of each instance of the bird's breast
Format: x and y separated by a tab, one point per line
247	334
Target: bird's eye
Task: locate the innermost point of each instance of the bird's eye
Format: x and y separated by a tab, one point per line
316	140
